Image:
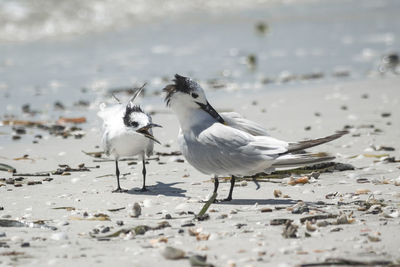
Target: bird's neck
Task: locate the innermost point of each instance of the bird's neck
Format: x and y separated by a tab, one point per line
191	119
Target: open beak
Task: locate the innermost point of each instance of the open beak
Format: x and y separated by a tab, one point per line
145	131
210	110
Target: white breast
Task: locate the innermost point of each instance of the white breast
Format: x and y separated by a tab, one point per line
126	144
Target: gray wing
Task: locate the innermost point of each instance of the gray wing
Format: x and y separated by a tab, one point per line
237	121
296	146
223	150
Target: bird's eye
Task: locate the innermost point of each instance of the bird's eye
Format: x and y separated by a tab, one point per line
134	124
194	95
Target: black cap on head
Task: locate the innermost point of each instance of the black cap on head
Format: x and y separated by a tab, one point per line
181	84
127	116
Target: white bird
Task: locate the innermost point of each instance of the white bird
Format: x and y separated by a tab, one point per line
226	144
127	131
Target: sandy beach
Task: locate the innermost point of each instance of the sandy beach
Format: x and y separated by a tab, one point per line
284	64
71	219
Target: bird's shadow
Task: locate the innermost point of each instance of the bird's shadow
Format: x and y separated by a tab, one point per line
160	189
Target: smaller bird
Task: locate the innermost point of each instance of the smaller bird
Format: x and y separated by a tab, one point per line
127	131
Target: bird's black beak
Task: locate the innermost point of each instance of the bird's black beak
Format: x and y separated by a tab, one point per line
145	131
210	110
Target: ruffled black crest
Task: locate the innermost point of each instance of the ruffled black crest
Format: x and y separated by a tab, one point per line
181	84
127	116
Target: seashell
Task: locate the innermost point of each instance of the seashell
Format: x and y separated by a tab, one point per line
277	193
344	219
154	242
310	227
362	191
394	214
373	238
300	180
202	237
375	209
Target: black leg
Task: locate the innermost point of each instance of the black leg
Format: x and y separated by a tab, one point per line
144	175
229	198
119	189
216	184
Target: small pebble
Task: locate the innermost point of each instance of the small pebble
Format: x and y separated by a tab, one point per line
261	27
266	210
198	260
300	208
373	238
365	96
323	223
25	245
136	210
172	253
20	130
16	137
188	225
105	230
168	216
362	180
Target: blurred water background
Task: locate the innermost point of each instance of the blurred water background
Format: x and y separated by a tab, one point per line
74	52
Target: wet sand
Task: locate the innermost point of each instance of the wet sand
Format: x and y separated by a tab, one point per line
71	218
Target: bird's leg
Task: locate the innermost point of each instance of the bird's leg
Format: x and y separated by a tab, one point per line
144	189
119	189
229	198
216	183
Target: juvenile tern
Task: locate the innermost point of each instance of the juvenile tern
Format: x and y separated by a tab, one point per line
226	144
127	131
